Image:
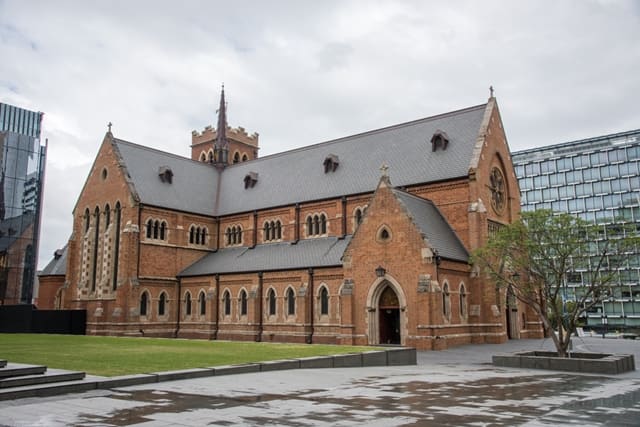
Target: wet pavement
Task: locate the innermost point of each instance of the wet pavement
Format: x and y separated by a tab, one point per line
453	387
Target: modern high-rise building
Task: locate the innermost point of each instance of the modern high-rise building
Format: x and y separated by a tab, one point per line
598	180
22	160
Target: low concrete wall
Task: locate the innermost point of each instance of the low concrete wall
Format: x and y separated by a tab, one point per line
593	363
386	357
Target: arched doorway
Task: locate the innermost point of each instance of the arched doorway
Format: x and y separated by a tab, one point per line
513	329
389	317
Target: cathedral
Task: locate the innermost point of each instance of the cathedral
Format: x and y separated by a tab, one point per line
362	240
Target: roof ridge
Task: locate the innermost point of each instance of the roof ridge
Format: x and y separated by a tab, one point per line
369	132
155	150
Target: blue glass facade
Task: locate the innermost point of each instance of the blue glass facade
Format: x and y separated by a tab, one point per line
598	180
22	160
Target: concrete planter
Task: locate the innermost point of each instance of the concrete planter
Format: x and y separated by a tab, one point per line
592	363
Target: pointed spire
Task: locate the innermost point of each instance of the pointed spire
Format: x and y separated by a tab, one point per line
221	139
221	145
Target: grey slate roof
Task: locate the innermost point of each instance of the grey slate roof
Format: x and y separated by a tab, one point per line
58	265
298	175
193	186
434	226
322	252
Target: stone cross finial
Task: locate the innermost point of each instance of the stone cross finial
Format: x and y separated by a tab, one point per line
384	169
109	126
491	91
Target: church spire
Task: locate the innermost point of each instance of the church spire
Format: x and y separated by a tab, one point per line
221	145
221	139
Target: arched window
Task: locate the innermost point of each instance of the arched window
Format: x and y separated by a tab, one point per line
116	246
203	157
291	302
384	235
324	301
244	158
243	303
192	233
203	236
202	303
187	303
267	231
149	229
233	234
226	299
357	217
210	157
198	236
94	255
271	296
272	230
107	216
163	230
144	303
316	224
162	302
236	157
463	301
87	221
446	301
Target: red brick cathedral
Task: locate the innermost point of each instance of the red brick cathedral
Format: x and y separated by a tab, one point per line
360	240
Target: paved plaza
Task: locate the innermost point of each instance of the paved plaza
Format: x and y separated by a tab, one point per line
452	387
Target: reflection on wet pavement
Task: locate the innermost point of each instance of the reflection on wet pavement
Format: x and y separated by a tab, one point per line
560	399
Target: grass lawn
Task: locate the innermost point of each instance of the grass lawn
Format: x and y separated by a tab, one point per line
111	356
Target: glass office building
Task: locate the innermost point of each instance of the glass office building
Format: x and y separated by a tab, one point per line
22	160
598	180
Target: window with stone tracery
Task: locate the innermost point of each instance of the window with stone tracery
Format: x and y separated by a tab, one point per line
497	185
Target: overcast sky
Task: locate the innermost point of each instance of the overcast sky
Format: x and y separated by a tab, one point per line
302	72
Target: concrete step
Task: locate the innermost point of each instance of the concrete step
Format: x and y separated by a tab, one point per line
46	378
19	370
41	390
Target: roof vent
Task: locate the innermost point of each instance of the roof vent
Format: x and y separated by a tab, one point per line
331	163
250	179
440	139
166	174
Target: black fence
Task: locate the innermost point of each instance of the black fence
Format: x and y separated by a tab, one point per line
28	319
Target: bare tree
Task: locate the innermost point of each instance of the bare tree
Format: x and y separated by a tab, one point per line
536	255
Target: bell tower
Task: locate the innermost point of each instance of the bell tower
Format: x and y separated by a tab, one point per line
224	145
